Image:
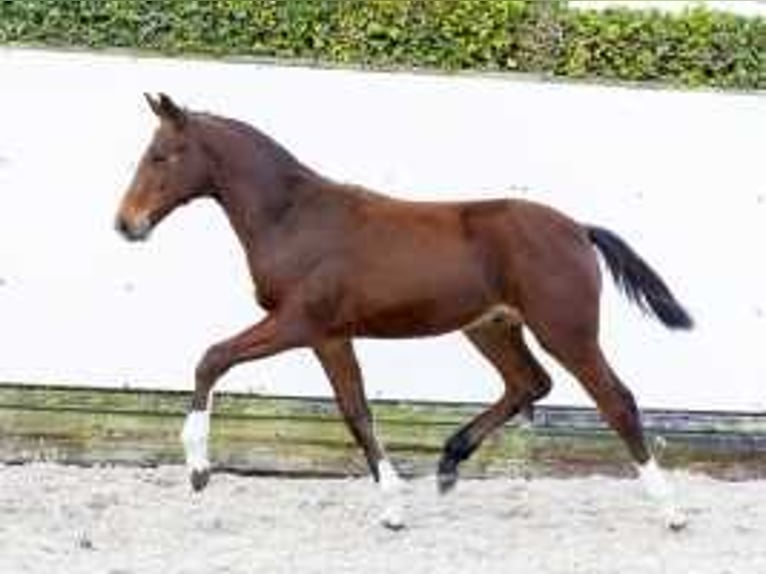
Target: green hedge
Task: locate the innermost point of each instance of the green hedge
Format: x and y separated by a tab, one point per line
695	48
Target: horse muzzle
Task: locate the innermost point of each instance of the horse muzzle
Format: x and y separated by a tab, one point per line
133	230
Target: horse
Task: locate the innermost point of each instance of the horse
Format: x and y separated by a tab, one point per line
332	261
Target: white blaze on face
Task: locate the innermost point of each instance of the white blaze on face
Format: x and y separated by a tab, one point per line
195	438
660	490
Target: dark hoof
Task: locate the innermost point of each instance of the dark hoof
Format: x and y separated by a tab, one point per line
395	526
446	474
676	521
677	526
393	520
446	481
199	479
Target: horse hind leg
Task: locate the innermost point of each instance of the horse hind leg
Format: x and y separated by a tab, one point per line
501	342
585	360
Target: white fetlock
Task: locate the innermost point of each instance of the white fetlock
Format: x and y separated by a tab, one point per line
661	491
675	519
392	516
194	438
392	488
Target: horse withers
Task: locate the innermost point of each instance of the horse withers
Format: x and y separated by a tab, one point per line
333	261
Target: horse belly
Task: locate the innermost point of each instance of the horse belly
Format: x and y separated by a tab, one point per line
424	300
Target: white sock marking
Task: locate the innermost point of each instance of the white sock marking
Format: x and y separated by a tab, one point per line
390	482
660	490
391	485
194	438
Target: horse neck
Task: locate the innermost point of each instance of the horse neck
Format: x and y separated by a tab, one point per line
257	183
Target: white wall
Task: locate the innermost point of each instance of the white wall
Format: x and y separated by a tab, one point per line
680	175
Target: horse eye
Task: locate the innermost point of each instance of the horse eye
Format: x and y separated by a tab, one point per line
157	158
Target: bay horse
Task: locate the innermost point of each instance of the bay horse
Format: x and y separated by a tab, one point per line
333	261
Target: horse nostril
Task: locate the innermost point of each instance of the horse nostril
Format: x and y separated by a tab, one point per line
121	226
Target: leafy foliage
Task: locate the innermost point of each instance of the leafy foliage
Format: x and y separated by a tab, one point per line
695	48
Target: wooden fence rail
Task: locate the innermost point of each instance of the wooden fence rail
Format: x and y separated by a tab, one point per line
266	435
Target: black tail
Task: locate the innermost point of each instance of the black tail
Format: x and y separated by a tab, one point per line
640	283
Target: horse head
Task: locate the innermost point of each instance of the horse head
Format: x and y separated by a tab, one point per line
173	170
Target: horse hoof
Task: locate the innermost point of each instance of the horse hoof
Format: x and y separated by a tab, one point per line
676	522
199	479
446	481
393	525
392	519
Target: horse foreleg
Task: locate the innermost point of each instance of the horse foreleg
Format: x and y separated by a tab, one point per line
342	368
266	338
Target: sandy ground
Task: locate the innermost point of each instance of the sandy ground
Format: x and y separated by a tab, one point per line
125	520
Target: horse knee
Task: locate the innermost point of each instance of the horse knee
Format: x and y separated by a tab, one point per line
212	365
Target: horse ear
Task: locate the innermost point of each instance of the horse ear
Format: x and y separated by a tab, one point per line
153	104
165	109
171	112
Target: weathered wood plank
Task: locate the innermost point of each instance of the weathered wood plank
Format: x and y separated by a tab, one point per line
659	420
162	403
256	434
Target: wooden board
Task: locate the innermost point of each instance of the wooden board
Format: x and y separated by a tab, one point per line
267	435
